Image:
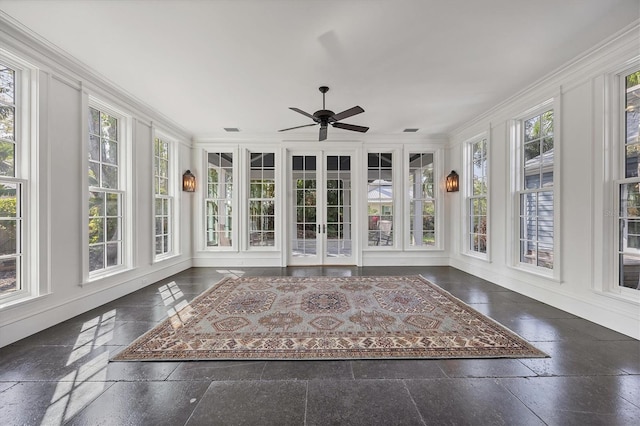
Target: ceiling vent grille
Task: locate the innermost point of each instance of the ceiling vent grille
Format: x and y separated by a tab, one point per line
410	130
231	129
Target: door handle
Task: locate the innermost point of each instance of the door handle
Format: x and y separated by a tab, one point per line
324	228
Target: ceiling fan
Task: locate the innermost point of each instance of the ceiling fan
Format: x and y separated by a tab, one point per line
324	117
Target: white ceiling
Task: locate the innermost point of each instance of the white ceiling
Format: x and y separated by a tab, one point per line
429	64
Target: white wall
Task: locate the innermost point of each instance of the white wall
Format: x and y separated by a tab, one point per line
61	175
585	183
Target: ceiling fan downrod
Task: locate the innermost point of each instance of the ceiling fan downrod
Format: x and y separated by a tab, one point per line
323	89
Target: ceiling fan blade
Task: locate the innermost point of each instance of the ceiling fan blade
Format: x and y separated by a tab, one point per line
352	127
297	127
323	133
347	113
298	110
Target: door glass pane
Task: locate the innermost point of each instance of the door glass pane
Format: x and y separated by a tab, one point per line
338	206
304	242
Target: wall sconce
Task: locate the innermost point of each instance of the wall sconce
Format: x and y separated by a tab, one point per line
453	182
188	182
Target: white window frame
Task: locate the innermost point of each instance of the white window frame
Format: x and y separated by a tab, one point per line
125	188
171	196
517	178
467	212
30	280
396	233
235	217
438	197
246	206
619	179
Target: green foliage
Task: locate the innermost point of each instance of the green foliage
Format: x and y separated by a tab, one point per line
633	79
8	206
8	232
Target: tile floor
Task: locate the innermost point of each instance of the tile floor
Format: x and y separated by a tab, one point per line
62	375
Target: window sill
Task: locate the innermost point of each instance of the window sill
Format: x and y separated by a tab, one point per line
102	276
482	257
619	295
18	301
542	273
164	258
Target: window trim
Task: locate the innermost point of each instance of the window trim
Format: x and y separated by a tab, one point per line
125	162
35	280
516	169
618	127
438	196
202	214
173	195
396	202
245	213
468	195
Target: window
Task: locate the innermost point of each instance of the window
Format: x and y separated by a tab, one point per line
422	203
380	198
629	187
219	198
12	233
262	199
164	196
535	191
477	197
106	191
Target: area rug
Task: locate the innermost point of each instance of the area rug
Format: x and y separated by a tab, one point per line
316	318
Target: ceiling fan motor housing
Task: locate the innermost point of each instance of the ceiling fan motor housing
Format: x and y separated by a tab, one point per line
323	116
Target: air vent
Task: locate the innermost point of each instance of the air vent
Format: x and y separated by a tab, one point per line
231	129
410	130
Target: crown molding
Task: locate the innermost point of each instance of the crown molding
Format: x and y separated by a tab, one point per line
573	73
19	39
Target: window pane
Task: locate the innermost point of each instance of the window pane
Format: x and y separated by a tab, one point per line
262	200
218	213
629	271
7	85
105	208
96	258
164	199
380	198
109	126
113	229
96	230
11	223
7	123
632	160
421	200
96	204
109	152
113	254
109	177
94	148
7	159
532	129
8	237
8	276
94	121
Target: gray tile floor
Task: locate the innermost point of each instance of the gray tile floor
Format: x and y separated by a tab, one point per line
62	375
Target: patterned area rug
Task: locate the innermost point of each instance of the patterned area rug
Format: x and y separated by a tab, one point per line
326	318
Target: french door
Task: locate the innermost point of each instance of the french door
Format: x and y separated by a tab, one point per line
320	208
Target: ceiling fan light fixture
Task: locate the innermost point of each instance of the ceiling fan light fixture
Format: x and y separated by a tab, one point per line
324	117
